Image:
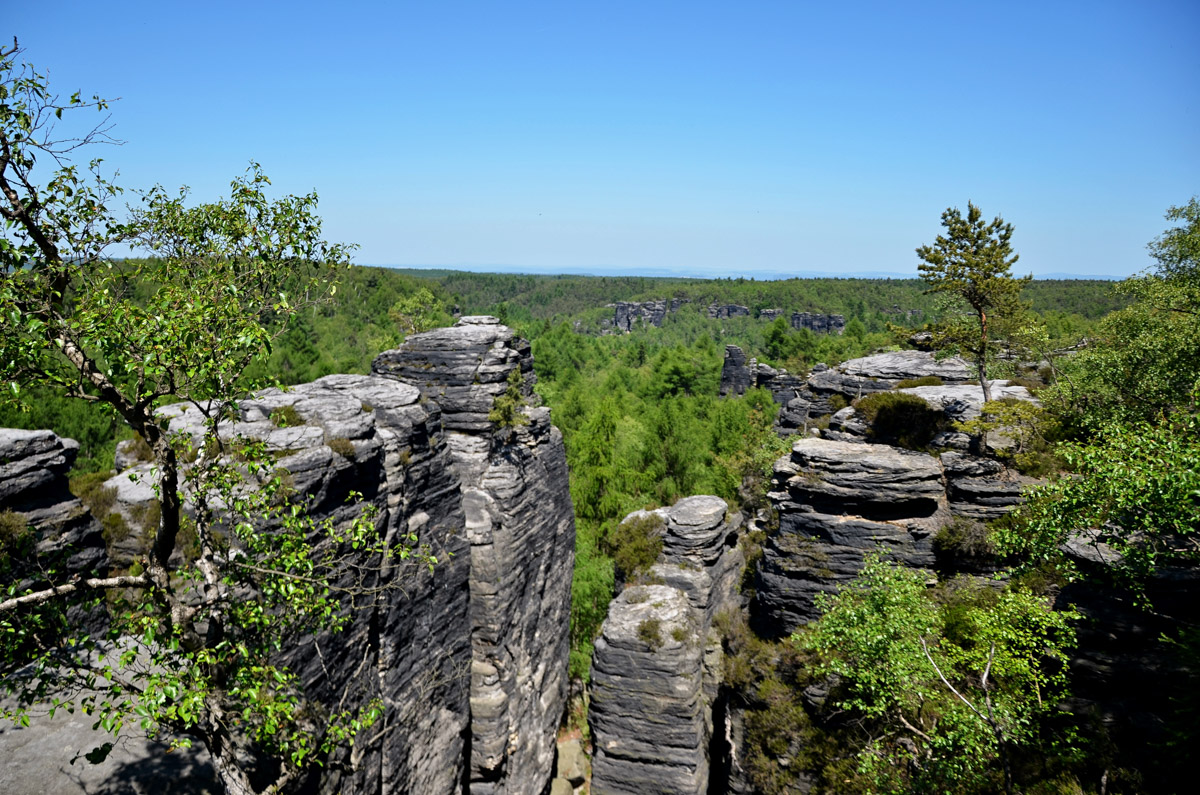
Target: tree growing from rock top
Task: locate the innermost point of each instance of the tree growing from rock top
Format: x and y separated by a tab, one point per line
188	648
972	263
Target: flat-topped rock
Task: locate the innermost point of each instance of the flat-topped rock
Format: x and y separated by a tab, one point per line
854	477
463	368
901	365
963	402
647	713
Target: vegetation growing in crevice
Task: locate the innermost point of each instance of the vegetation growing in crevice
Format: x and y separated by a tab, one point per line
901	419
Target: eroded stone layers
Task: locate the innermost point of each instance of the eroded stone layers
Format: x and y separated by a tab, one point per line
627	314
722	311
647	711
410	647
701	564
837	503
820	324
470	658
520	525
33	485
739	374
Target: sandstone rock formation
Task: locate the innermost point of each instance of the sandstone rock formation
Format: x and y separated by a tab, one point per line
647	708
469	659
638	682
33	486
837	503
626	314
739	374
521	528
820	324
722	311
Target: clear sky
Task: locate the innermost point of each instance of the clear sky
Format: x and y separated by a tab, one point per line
701	138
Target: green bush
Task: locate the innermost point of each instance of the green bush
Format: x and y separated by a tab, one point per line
114	529
963	543
650	632
506	410
286	417
14	534
634	545
343	447
925	380
91	492
901	419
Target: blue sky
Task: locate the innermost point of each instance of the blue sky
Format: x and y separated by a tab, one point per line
714	139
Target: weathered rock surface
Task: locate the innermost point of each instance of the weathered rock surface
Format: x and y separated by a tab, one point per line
963	402
462	368
33	484
722	311
521	529
739	374
769	315
469	659
701	564
882	371
820	324
735	372
626	314
837	502
647	708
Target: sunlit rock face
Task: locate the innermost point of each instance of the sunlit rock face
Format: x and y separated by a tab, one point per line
657	665
469	658
648	709
837	502
33	487
521	530
628	314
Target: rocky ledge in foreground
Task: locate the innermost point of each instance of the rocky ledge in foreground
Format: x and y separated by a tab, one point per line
647	708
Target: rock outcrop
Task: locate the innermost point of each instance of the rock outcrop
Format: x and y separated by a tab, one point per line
521	529
33	487
627	314
838	502
739	374
639	680
469	659
647	711
722	311
819	324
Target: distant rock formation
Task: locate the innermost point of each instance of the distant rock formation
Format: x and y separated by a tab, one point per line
769	315
820	324
721	311
738	375
627	314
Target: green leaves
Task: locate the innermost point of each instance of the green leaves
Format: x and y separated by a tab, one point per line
1136	490
939	679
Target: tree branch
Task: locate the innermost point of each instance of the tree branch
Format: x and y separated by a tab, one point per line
93	583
